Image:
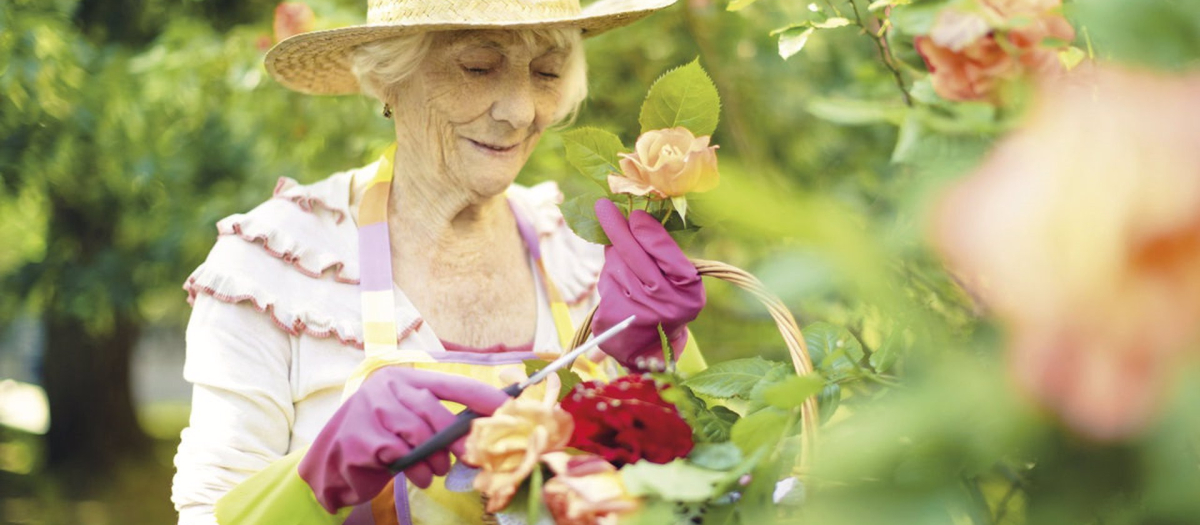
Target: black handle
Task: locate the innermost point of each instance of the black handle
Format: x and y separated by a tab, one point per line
444	437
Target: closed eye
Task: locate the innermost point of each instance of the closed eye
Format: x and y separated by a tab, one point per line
547	75
477	70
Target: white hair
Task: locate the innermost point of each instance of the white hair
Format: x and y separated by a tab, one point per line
382	67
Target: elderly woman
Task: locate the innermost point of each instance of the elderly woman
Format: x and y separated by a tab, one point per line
332	323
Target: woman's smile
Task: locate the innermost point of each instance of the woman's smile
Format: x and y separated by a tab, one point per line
493	148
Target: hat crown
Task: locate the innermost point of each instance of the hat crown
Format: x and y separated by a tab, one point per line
467	11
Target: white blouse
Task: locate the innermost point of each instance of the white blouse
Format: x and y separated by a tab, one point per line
275	328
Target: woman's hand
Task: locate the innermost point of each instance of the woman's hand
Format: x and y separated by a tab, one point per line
394	410
645	274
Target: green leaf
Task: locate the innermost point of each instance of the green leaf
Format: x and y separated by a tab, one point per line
792	41
793	391
880	4
716	456
1071	57
709	425
675	481
831	23
915	20
758	394
580	214
883	358
684	96
734	378
738	5
833	349
856	112
760	429
668	352
569	379
593	152
907	138
828	401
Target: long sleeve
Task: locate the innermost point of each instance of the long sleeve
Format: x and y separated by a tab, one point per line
239	363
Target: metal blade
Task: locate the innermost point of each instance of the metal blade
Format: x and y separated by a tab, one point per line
569	357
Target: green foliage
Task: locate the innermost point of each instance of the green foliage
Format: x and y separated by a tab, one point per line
710	424
791	392
684	96
580	214
833	350
715	456
593	152
676	481
731	378
760	429
1164	34
568	378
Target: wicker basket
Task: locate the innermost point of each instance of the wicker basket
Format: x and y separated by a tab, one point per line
787	327
791	337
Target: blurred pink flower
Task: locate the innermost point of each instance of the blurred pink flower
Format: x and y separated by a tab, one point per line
586	490
966	60
1081	232
667	163
292	18
1005	9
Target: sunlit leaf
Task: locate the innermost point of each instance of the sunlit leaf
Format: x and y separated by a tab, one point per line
793	391
792	41
760	429
850	111
832	22
580	214
593	152
834	350
684	96
677	480
738	5
734	378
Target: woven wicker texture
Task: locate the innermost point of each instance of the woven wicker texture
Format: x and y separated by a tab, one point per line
318	62
788	328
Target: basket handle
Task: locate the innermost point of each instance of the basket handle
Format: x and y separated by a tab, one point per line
784	321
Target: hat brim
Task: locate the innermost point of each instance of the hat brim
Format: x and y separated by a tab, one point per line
318	62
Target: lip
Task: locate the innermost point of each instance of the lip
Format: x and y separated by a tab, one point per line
492	149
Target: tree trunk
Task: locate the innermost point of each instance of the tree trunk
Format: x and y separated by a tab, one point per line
91	328
93	426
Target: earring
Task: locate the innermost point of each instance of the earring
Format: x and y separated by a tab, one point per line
387	111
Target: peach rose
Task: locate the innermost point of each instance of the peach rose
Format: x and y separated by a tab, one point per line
508	445
292	18
970	73
585	490
965	60
667	163
1081	232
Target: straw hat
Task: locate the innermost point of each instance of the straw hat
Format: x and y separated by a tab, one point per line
318	62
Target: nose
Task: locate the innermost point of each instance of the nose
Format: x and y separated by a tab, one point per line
514	104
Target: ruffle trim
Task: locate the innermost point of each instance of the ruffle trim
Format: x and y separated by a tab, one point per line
288	189
305	323
311	263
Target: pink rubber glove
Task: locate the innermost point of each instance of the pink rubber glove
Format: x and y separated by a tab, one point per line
395	409
645	274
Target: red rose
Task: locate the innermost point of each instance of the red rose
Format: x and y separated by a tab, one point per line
627	420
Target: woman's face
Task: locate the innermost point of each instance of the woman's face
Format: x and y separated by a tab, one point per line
477	105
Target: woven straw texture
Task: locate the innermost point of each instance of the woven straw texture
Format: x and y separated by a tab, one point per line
318	62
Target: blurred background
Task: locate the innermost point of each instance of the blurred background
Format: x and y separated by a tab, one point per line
129	127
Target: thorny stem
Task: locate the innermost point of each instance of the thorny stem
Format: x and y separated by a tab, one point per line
884	52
